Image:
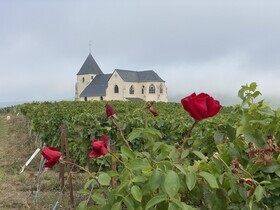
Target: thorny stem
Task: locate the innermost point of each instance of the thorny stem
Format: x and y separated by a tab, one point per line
187	137
75	164
92	188
120	130
223	162
89	196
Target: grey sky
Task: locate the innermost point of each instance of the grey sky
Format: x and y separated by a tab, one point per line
210	46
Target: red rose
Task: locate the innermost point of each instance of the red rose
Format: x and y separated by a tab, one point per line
99	148
201	106
52	155
153	111
110	111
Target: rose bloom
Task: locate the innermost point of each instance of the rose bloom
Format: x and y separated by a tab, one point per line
201	106
153	111
52	155
99	148
110	111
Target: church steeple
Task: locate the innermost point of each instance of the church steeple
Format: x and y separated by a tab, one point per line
90	67
89	47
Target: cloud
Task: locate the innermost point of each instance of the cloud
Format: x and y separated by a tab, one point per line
213	46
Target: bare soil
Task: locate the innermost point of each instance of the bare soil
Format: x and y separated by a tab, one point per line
17	190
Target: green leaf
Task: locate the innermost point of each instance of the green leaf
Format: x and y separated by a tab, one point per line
200	155
155	180
172	206
187	207
84	191
98	198
265	182
123	185
158	144
127	152
219	137
89	182
278	172
181	168
174	154
210	179
271	168
218	199
82	205
128	203
155	200
178	203
139	179
253	86
252	169
135	134
117	206
242	192
221	178
136	193
259	191
191	180
139	164
112	173
171	183
104	179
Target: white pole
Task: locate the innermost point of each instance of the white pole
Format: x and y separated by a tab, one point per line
30	159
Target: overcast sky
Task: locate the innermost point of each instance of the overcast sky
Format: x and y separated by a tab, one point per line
203	46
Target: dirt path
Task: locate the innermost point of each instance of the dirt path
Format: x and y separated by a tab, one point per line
16	191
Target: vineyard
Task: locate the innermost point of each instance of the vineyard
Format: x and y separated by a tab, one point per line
168	160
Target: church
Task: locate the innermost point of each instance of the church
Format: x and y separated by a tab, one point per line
124	85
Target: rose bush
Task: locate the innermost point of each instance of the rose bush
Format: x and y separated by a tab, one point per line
230	161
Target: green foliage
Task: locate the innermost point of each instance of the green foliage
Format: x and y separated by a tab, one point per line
216	170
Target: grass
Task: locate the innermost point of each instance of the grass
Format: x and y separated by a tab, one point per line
17	190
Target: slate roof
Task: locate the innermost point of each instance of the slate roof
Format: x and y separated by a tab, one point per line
90	67
97	87
139	76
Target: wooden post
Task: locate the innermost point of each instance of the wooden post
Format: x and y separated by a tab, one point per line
68	168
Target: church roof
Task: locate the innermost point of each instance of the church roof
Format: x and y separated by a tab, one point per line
97	87
139	76
90	67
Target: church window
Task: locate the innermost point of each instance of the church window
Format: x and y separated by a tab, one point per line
152	89
143	89
160	89
131	90
116	89
83	79
85	98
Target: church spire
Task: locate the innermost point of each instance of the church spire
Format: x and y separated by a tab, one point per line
90	67
89	46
